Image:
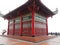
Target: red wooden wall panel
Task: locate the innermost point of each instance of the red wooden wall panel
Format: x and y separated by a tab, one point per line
17	29
11	29
40	28
26	28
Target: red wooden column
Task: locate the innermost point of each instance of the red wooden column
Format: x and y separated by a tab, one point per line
21	24
13	27
33	34
8	27
46	26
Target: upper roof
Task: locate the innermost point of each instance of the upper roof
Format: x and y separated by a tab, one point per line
30	5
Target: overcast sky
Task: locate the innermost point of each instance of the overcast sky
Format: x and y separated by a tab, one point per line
9	5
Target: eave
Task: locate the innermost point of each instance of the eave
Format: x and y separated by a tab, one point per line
24	10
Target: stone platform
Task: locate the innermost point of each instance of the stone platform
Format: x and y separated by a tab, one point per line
30	39
6	40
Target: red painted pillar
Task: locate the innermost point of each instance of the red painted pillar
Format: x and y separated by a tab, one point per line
8	27
13	27
33	34
21	24
46	26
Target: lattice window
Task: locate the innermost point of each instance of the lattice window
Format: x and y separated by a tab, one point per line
27	18
17	20
40	18
11	21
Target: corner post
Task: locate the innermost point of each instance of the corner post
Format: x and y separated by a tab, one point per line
21	25
46	26
33	32
13	27
8	27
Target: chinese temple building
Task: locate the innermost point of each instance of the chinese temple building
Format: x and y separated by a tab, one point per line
29	19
